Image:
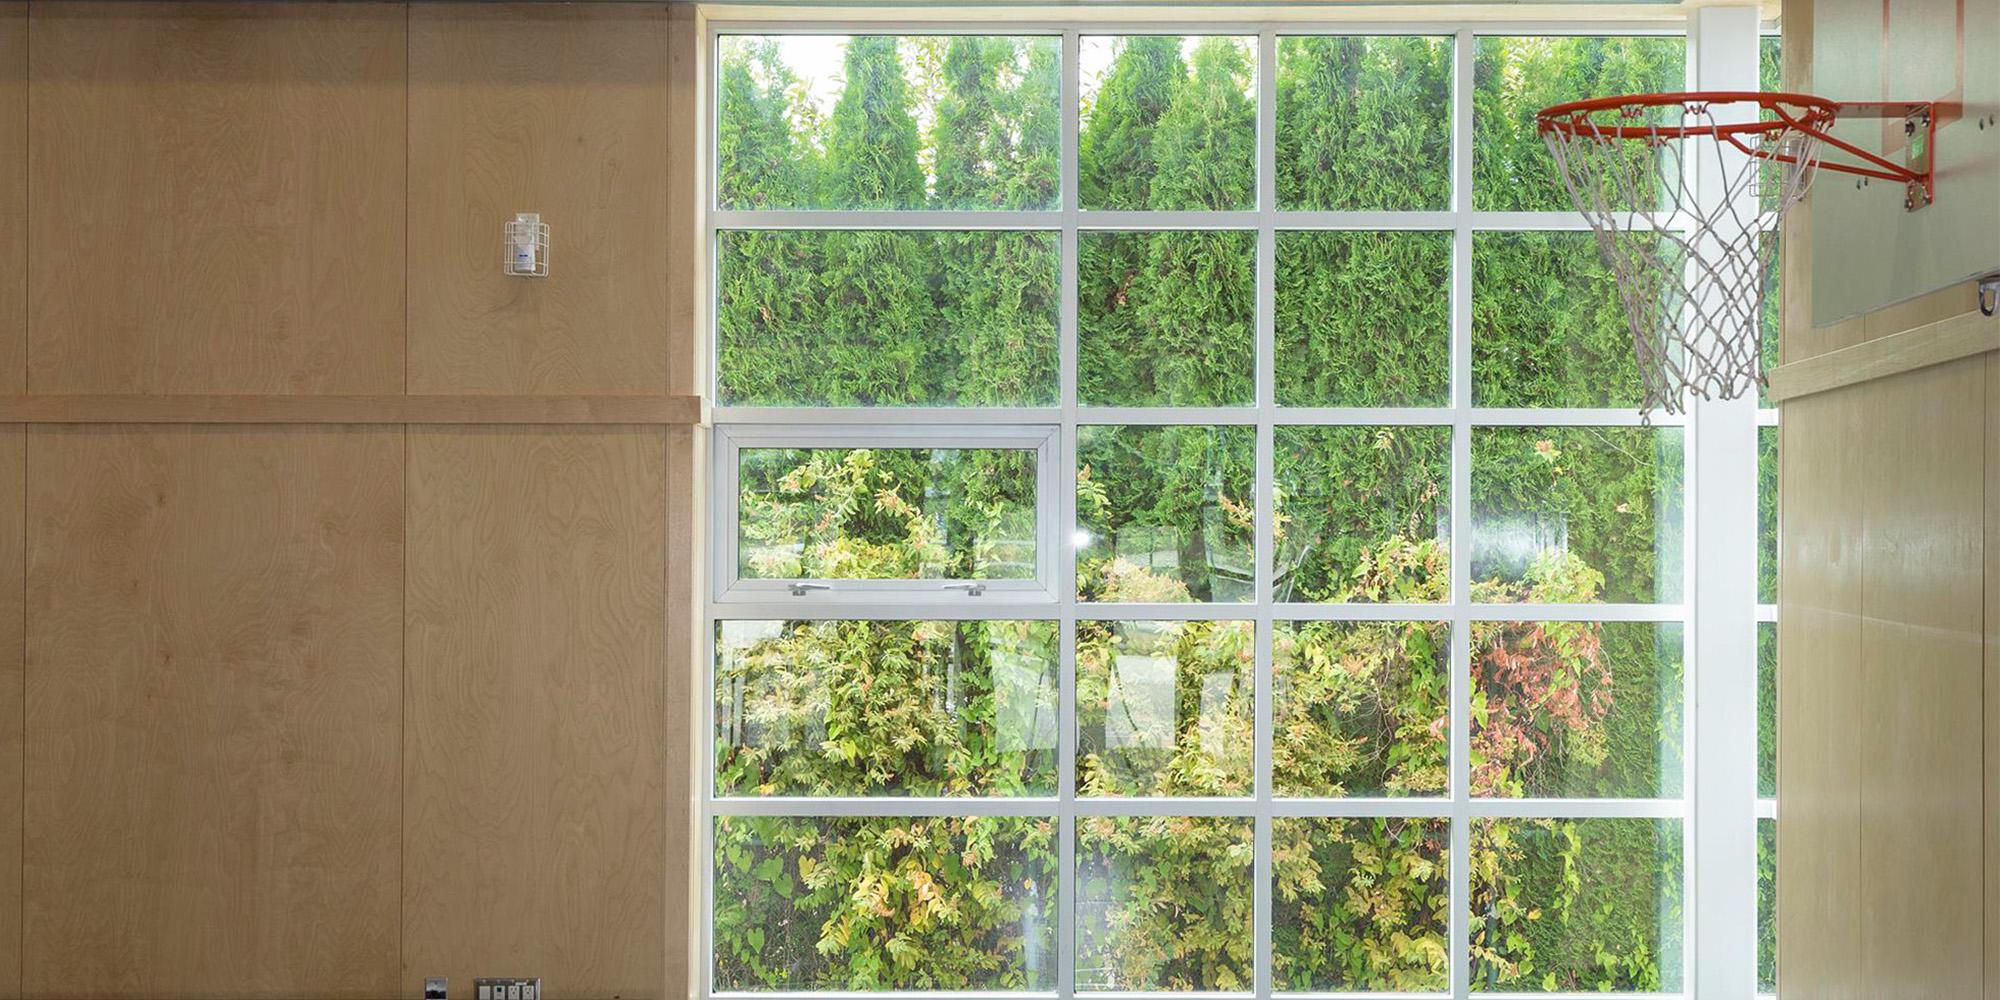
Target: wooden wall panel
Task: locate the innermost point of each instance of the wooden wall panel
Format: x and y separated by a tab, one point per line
13	502
216	198
561	110
213	711
1920	742
1819	686
13	198
536	744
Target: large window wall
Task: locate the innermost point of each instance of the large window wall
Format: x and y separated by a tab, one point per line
1183	523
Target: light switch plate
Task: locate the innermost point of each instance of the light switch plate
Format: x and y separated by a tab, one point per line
508	987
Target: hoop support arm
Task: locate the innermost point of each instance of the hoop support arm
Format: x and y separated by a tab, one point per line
1916	114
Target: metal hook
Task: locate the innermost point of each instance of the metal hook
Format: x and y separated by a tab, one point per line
1989	294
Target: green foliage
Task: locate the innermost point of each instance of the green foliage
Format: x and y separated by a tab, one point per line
1165	708
885	708
900	903
1163	902
1360	904
1767	515
1363	319
1547	325
1168	511
1513	78
887	513
1767	710
1576	905
1608	496
1767	906
1360	708
1158	134
1344	497
1364	123
1166	318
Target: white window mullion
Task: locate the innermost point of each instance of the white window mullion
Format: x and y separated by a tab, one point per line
1066	858
1722	515
1459	934
1266	515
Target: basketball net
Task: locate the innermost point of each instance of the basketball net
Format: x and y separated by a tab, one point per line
1685	205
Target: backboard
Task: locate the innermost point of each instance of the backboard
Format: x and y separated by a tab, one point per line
1867	250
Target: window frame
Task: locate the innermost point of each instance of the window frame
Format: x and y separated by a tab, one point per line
1724	909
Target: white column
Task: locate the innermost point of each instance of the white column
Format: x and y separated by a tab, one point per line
1722	503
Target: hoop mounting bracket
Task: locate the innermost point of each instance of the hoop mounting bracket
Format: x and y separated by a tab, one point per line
1917	172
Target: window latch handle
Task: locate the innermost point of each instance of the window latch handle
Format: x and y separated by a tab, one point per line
802	589
971	589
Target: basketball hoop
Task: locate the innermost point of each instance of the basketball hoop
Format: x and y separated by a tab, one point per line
1691	269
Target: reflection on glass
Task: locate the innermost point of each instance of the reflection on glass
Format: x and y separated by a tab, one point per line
1364	123
1576	906
930	708
1565	515
1166	318
1167	122
1363	514
1360	904
1363	319
1360	708
1163	903
868	317
1164	707
1165	514
885	903
1514	77
1576	709
1548	328
886	513
887	122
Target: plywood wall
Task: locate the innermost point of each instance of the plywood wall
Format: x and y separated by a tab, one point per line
320	709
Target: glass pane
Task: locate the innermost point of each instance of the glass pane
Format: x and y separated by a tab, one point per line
1576	709
880	122
886	513
1767	515
1168	122
1363	319
1515	77
885	903
1165	514
1548	328
878	318
1771	325
1360	904
1767	906
1576	514
1165	707
1363	514
1364	123
929	708
1576	905
1767	710
1360	708
1163	903
1166	318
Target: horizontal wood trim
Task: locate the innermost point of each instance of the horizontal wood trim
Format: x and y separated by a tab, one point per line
1948	339
247	409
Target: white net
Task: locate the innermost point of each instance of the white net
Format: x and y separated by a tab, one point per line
1687	222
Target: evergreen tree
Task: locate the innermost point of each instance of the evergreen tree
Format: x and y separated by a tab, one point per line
1364	123
871	146
1115	164
1205	145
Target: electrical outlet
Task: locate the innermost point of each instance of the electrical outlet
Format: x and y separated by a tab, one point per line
509	987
